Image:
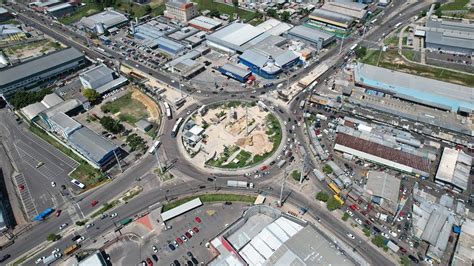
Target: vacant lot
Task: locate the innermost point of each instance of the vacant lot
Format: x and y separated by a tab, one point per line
391	60
32	49
127	108
224	9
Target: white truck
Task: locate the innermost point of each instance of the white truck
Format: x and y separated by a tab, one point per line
52	258
239	184
281	163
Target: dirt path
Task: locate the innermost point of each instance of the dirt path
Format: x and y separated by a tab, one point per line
152	108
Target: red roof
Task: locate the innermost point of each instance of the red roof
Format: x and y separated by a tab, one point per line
384	152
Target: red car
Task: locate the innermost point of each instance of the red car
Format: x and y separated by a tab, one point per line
403	250
263	168
21	187
179	240
93	203
196	230
197	219
149	262
58	212
188	235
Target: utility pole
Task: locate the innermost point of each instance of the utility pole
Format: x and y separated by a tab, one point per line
247	119
303	168
280	202
118	162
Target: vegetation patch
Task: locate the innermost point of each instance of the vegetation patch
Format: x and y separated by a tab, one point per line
322	196
206	198
23	98
105	207
130	110
221	8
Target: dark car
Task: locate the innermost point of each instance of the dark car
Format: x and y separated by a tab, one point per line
376	229
190	254
74	238
189	263
5	257
171	247
176	263
210	179
195	261
155	258
412	258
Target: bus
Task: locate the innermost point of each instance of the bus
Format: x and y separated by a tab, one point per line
103	52
71	249
334	188
353	47
153	147
302	104
126	221
373	21
179	103
174	132
397	25
339	199
168	110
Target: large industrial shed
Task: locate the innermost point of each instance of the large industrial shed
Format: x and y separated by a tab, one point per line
449	36
236	72
102	21
313	37
236	37
330	18
454	169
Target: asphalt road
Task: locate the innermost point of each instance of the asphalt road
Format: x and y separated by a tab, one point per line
105	193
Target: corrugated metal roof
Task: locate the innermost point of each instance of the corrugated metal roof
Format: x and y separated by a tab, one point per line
32	110
91	145
332	16
96	73
40	64
205	22
109	18
383	185
185	207
311	34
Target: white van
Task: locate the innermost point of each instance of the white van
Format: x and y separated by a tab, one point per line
77	183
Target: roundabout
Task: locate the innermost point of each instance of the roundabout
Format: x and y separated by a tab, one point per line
230	135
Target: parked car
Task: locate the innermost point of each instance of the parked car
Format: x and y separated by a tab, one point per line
188	235
350	236
195	229
179	240
185	239
62	226
171	247
94	202
57	213
197	219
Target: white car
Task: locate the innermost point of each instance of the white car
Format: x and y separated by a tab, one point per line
80	239
191	232
89	225
154	249
62	226
393	233
53	184
385	235
350	236
56	250
350	213
113	215
358	221
57	255
39	260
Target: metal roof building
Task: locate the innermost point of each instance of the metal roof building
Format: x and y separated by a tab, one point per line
240	73
204	23
101	78
314	37
274	27
92	146
32	72
449	36
454	169
464	252
235	37
331	18
352	9
385	186
185	207
424	91
106	19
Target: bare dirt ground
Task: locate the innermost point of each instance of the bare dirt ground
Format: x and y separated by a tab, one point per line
151	106
32	50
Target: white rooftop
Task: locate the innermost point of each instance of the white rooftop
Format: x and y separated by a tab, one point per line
185	207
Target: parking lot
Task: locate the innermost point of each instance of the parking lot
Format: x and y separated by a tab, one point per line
212	219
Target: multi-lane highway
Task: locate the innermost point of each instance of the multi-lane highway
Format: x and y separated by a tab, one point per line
37	235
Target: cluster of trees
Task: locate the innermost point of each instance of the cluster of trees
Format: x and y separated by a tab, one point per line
296	175
111	125
53	237
284	16
135	142
361	51
322	196
345	216
24	98
92	95
327	169
333	204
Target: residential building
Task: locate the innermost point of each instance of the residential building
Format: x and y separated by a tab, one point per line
181	10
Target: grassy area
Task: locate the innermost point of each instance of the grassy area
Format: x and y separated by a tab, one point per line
11	21
392	40
84	172
105	207
224	9
243	157
224	156
210	198
90	8
455	5
130	110
409	54
391	60
296	175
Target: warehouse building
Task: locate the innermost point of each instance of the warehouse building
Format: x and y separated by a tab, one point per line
267	59
310	36
449	36
384	190
236	37
60	10
152	30
205	23
352	9
463	254
240	73
181	10
424	91
265	236
102	79
39	70
102	21
454	169
9	33
274	27
331	19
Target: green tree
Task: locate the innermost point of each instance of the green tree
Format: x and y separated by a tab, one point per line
345	217
111	124
296	175
285	16
379	241
438	13
361	51
91	95
404	261
147	9
327	169
214	13
333	204
366	232
23	98
135	142
322	196
272	13
53	237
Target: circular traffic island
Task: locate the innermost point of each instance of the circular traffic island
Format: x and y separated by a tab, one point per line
231	135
